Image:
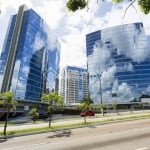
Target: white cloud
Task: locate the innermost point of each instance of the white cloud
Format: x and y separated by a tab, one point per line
108	77
115	86
38	42
125	67
71	28
134	45
124	93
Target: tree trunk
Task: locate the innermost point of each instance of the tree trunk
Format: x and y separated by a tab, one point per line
85	120
131	110
6	120
50	119
102	111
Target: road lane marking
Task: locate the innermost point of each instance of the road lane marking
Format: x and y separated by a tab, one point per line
143	148
24	146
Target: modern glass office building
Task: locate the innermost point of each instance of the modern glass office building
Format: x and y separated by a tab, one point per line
29	62
74	84
118	61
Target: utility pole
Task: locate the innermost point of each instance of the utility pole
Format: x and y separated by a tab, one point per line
100	87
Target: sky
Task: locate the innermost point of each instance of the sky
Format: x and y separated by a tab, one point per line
71	28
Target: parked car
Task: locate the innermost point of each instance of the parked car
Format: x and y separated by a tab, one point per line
87	113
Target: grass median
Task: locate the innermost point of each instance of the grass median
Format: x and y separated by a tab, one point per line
74	125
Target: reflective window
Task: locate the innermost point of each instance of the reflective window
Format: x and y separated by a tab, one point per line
37	58
121	58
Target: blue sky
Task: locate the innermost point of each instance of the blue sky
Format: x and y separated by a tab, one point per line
71	28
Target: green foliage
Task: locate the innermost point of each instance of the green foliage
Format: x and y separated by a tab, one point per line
50	108
86	103
9	104
87	100
144	6
74	5
83	106
54	100
6	99
141	105
117	1
101	108
34	114
114	105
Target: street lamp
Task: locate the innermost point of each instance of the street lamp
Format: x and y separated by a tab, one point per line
100	85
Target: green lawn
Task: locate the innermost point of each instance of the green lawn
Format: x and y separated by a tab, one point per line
106	120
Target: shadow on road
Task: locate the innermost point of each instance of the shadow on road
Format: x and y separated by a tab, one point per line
91	126
63	133
3	140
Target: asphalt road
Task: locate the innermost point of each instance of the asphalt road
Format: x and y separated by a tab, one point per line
131	135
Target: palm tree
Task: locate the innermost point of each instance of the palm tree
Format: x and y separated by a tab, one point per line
141	105
34	114
88	101
86	105
53	100
101	108
114	106
9	104
83	107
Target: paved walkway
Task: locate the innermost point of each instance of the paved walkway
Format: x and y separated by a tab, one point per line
96	118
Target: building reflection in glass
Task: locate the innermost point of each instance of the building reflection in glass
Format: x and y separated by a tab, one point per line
36	51
120	55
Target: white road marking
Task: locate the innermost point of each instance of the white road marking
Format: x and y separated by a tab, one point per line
143	148
25	146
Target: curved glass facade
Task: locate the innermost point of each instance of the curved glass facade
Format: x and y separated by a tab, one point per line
37	55
118	61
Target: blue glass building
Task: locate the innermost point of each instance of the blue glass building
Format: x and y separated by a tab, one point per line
29	62
118	61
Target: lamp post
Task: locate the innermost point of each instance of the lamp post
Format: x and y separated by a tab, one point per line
100	88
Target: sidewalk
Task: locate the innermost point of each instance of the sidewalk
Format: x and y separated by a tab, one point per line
96	118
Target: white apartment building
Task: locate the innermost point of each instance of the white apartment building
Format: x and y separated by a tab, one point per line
74	84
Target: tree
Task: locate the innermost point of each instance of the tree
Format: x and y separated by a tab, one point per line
114	106
53	100
144	6
101	108
33	113
86	105
88	101
74	5
141	105
131	111
9	104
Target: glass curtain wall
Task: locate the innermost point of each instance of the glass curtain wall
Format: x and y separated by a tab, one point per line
36	65
118	61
